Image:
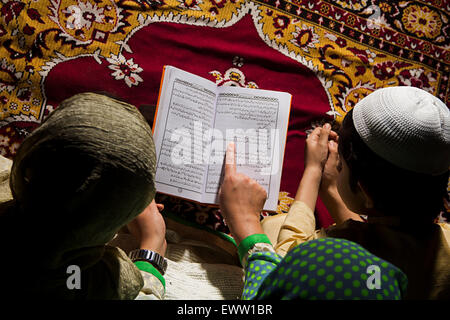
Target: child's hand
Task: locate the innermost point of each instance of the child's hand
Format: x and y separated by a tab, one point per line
316	155
328	187
241	200
316	151
149	229
331	168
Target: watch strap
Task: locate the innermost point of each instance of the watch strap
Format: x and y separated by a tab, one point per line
158	261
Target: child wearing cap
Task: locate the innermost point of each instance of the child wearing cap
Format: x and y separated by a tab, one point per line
390	164
321	269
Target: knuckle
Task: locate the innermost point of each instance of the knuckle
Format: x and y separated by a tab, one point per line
264	193
229	180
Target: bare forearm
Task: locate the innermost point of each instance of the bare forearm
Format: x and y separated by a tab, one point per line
308	188
336	206
244	226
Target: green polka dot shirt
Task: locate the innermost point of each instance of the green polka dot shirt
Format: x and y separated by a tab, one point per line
322	269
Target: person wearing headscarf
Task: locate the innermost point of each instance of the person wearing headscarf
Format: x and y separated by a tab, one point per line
83	174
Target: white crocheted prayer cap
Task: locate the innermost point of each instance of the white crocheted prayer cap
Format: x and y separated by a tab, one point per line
406	126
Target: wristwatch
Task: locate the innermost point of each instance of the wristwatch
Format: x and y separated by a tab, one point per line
158	261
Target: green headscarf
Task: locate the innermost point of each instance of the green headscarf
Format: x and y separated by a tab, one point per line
77	179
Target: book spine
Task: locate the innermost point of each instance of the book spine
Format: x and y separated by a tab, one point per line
159	97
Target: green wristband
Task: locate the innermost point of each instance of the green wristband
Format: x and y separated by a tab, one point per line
148	267
249	242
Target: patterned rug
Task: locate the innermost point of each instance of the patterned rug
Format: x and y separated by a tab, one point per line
327	54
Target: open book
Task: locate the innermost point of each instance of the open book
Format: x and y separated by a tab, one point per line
194	122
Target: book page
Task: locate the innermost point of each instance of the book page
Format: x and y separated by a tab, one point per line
185	110
256	120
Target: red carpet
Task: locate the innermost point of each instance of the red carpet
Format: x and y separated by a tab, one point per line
327	54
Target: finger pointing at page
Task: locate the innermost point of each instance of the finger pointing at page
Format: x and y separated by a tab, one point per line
230	160
241	199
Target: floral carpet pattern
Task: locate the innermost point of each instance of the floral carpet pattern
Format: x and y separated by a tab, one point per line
328	54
